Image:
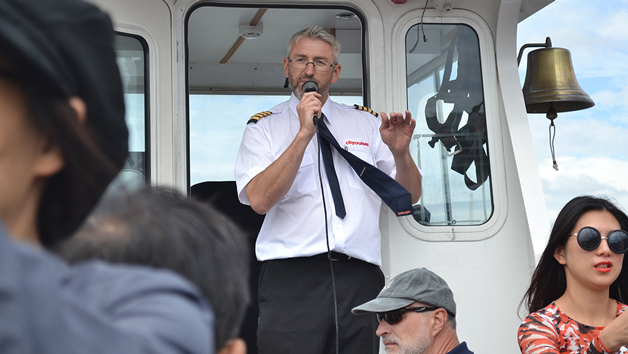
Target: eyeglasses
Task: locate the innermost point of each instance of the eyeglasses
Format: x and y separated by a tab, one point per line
395	316
590	238
319	65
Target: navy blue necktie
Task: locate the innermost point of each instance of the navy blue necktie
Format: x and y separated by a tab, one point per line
389	190
332	178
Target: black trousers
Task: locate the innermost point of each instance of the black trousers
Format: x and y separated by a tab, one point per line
296	308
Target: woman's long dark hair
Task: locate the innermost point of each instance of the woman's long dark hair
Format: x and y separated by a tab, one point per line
69	195
548	281
72	193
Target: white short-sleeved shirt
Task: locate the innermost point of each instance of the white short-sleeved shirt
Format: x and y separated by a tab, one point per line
295	226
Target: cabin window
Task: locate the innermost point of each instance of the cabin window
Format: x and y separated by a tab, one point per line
131	54
445	96
231	78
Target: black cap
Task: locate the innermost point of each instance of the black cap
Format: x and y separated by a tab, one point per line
67	45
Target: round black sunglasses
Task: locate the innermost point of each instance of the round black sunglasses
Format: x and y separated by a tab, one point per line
589	239
395	316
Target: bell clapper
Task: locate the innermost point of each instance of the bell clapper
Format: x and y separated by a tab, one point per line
551	115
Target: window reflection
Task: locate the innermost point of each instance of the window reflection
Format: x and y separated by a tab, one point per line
445	95
131	58
214	143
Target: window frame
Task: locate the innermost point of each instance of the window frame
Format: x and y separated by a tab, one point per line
493	108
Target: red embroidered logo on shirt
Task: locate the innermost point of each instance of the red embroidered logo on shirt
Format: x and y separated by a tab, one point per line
361	143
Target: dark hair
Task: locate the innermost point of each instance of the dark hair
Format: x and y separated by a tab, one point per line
451	320
69	195
161	228
548	281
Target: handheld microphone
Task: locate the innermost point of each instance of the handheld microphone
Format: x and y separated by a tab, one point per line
309	86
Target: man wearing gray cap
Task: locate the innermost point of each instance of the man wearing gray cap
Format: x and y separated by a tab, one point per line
417	315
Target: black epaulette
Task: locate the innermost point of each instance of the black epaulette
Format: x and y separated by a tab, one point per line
365	109
258	116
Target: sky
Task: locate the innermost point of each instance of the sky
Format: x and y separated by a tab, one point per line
591	145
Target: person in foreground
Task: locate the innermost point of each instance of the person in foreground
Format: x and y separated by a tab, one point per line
63	138
159	227
417	315
579	288
302	234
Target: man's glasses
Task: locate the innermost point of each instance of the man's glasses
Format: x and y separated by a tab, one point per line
590	238
395	316
319	65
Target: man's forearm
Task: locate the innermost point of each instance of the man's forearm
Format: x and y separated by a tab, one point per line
269	186
408	175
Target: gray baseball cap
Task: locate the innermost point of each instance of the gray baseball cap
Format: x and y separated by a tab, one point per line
417	285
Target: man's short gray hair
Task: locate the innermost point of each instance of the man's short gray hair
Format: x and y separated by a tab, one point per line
451	321
316	32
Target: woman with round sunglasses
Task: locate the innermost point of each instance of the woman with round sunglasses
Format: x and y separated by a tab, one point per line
580	286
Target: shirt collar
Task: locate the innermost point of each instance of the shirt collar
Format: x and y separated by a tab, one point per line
327	109
460	349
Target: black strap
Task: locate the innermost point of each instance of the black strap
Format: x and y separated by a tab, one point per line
472	138
389	190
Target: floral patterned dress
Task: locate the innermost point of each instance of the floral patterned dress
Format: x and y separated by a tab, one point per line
550	330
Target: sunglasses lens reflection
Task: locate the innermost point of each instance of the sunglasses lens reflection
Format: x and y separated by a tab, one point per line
618	241
392	317
589	238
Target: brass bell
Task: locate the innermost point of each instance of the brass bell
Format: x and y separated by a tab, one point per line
550	85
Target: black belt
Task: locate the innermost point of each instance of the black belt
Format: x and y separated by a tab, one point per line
334	256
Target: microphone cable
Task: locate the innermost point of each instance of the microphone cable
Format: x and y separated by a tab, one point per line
331	263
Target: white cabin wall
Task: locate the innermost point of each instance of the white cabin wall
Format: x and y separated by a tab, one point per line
488	276
155	26
516	119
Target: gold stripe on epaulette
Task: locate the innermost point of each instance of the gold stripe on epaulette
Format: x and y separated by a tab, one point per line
258	116
365	109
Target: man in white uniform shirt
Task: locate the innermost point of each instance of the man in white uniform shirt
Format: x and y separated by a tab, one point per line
277	175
